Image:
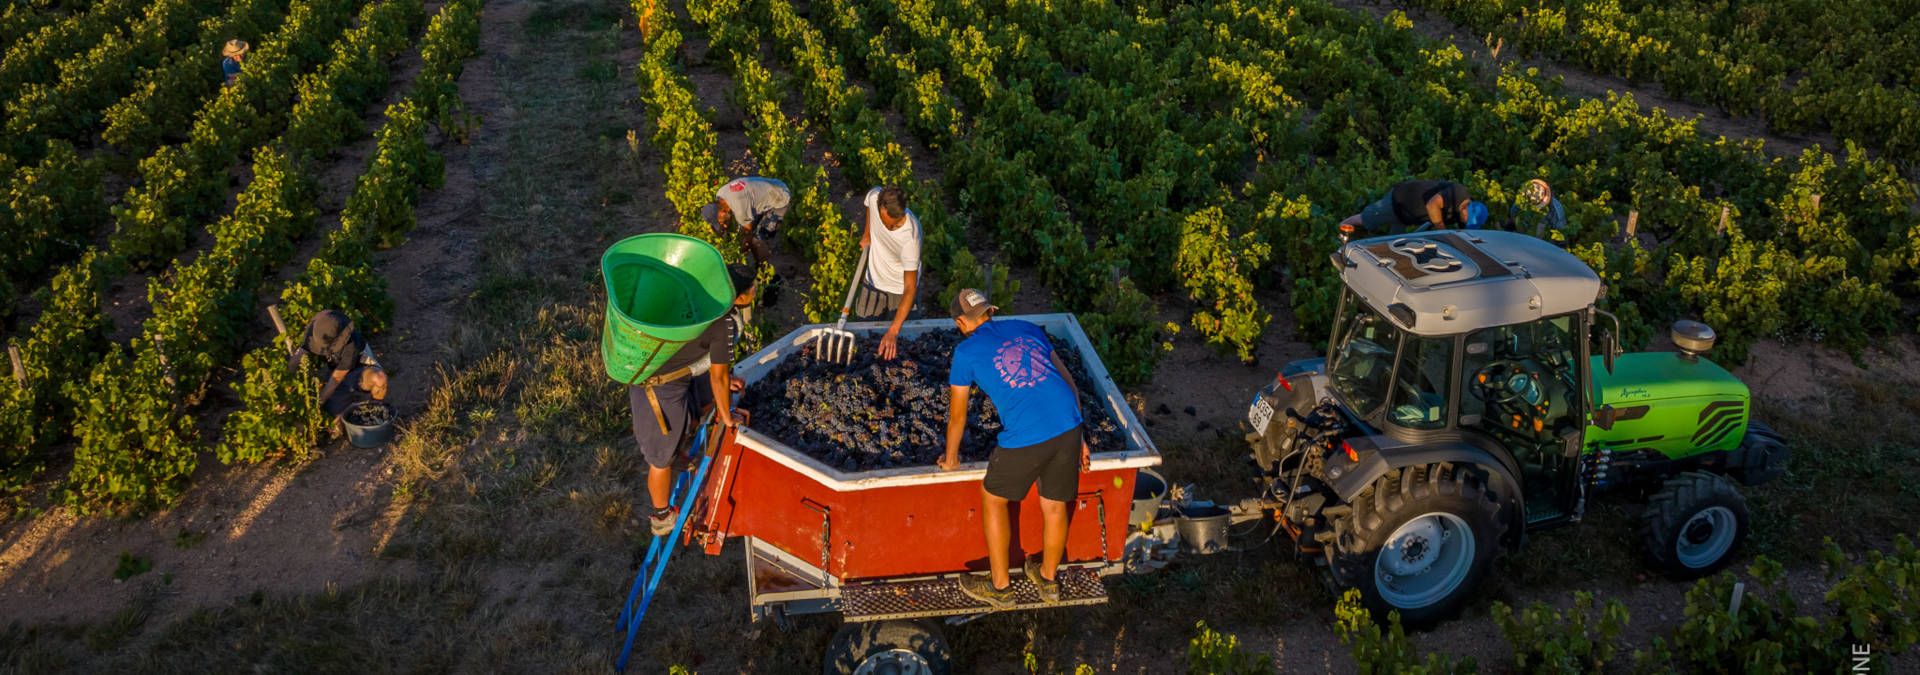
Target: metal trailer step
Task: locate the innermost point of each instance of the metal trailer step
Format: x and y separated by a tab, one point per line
941	596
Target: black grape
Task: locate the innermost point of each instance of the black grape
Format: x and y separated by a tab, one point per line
874	414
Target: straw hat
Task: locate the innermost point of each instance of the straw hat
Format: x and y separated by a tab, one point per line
235	48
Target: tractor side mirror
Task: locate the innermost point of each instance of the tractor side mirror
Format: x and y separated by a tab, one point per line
1609	340
1603	417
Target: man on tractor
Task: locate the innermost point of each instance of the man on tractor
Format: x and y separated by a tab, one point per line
892	241
351	374
1015	364
664	405
1416	205
749	208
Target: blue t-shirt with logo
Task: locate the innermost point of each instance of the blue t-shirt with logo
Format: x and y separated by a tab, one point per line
1012	361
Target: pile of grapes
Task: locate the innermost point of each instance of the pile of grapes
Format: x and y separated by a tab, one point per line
878	414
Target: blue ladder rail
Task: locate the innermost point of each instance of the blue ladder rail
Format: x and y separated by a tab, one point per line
660	551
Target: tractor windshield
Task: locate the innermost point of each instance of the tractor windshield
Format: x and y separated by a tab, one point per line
1364	376
1363	362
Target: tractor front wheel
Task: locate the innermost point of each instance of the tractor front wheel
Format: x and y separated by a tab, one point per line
888	648
1419	540
1693	524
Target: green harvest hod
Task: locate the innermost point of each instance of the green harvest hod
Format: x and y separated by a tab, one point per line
663	290
1472	393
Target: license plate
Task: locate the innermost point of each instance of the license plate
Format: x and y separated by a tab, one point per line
1261	412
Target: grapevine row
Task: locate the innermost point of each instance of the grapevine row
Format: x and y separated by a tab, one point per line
61	348
996	179
1845	66
136	442
278	414
89	81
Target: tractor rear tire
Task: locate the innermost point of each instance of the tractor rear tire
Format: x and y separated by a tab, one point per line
1439	519
1693	525
881	647
1762	455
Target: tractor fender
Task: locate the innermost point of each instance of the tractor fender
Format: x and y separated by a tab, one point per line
1379	454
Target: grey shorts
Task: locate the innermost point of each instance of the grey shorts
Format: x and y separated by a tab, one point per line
681	403
873	303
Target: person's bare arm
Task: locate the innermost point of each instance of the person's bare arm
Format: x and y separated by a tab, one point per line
720	378
1437	212
333	383
956	425
890	343
1086	452
758	247
866	228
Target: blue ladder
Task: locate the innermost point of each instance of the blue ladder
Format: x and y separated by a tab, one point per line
660	552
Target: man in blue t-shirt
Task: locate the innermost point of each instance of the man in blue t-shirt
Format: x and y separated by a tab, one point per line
1014	363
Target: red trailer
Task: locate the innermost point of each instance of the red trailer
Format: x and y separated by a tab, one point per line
883	548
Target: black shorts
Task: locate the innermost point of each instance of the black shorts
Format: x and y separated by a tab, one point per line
1054	462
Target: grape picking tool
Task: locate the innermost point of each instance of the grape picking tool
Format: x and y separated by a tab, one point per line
837	344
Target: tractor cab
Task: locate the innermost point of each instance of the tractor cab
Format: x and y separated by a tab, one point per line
1472	392
1479	338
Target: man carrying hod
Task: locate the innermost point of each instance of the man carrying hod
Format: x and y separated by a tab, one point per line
667	405
1040	440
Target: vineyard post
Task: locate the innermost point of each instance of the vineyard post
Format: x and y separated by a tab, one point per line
1721	229
280	327
1816	205
19	371
165	367
1633	223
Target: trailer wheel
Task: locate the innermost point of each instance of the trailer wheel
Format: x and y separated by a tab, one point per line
888	648
1692	526
1418	541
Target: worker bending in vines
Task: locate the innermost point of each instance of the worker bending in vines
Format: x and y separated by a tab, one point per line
1539	213
342	359
231	55
1414	205
667	405
892	278
749	209
1040	440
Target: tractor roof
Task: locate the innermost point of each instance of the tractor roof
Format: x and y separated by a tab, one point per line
1455	281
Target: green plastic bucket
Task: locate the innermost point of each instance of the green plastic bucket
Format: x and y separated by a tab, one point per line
663	290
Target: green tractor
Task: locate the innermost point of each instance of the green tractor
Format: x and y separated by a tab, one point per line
1472	393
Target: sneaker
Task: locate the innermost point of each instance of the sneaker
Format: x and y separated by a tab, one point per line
980	587
1049	590
662	521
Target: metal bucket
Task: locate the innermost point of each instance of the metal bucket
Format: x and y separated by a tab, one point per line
372	435
1149	490
1203	529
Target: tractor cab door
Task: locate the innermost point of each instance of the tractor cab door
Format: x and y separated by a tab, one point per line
1521	387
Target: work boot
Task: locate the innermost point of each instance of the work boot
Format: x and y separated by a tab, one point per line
1048	589
980	587
662	521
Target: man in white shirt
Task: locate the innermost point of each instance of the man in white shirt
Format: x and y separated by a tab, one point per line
892	240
